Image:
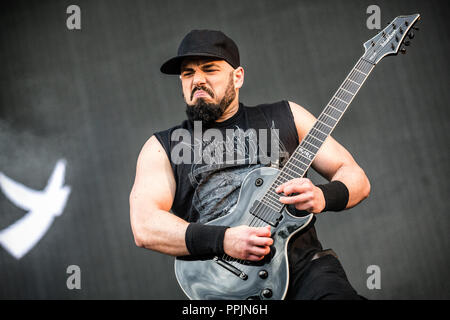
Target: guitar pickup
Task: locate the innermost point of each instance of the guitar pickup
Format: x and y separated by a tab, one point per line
265	213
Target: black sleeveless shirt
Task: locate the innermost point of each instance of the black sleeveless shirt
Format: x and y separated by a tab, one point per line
208	183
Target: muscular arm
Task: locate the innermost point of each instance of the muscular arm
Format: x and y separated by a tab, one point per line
155	228
151	198
333	161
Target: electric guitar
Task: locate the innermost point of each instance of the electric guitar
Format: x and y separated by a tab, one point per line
224	277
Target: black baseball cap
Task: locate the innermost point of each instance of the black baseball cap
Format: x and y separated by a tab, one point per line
203	43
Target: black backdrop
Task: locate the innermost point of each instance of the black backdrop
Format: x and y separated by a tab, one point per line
94	96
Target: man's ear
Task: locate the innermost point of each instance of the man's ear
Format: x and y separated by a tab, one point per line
238	77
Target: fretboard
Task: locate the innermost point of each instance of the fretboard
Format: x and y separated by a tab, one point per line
304	154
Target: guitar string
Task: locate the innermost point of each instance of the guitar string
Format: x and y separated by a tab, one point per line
366	67
360	65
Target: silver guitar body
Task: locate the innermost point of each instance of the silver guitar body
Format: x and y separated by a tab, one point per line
224	277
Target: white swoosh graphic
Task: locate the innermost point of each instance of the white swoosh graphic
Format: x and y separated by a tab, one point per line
43	206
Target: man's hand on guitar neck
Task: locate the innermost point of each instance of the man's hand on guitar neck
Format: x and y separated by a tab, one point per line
247	243
303	194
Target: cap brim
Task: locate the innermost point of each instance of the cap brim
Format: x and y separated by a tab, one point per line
173	66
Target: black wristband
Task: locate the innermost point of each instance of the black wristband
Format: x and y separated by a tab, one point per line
336	195
202	239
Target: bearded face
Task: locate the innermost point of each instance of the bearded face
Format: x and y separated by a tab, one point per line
208	89
207	111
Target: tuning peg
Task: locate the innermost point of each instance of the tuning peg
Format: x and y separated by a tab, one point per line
411	34
406	42
403	50
416	28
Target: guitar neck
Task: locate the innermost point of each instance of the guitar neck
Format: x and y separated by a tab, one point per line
304	154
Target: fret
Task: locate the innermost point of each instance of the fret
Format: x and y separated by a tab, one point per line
350	86
341	105
327	122
367	65
361	71
341	100
305	153
322	128
272	202
325	134
306	164
345	96
292	163
287	168
281	179
348	91
358	78
310	144
272	188
353	82
330	105
312	136
274	197
299	160
298	164
271	199
333	112
289	164
333	119
337	105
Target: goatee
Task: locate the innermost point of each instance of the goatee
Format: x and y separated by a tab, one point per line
206	112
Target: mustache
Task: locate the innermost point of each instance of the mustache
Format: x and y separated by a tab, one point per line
207	90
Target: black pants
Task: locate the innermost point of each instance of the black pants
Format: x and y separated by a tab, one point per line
321	279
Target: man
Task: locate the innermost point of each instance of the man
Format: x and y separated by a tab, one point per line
197	192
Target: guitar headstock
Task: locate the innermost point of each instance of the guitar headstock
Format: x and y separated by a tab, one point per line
389	40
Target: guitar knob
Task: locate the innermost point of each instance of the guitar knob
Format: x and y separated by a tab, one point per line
266	293
263	274
403	50
407	43
259	182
